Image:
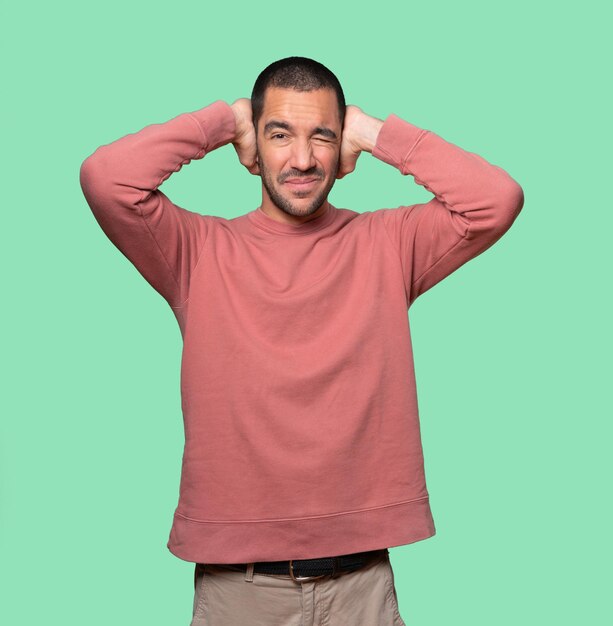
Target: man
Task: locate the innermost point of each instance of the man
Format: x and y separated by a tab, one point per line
303	461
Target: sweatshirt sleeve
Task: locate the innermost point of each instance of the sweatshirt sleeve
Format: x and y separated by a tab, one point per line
120	182
475	203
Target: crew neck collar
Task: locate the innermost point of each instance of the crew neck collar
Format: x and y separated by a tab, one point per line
261	219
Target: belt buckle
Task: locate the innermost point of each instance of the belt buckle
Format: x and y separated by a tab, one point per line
301	579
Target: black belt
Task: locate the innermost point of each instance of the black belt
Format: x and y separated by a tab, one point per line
302	570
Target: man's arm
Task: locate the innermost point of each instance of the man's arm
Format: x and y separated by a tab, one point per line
120	182
475	202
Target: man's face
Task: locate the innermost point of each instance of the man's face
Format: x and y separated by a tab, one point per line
299	139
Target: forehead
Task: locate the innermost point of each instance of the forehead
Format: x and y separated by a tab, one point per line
318	107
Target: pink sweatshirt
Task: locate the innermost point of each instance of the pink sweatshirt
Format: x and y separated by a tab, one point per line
302	434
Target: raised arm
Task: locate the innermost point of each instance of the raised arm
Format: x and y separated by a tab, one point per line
120	182
475	202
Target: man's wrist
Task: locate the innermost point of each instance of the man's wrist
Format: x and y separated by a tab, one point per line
369	133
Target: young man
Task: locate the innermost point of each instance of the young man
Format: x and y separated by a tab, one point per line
303	459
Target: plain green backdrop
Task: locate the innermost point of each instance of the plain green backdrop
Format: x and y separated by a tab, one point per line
512	351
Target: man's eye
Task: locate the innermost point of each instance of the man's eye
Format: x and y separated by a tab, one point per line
278	135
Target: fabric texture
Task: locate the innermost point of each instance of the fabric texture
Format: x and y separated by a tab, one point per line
302	435
366	597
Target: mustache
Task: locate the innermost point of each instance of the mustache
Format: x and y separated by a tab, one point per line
313	174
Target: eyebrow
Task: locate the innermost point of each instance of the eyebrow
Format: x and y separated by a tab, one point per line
318	130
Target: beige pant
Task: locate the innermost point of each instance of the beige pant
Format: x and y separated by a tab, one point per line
364	597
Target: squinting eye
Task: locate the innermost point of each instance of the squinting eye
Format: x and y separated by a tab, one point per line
278	135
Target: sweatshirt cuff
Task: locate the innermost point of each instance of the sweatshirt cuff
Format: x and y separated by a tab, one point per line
396	141
217	122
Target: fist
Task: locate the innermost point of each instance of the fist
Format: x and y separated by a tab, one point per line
360	133
244	140
350	147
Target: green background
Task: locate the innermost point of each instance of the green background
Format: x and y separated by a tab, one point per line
512	351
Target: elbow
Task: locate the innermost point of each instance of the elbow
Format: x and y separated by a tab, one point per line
509	206
87	175
94	167
95	181
95	172
516	199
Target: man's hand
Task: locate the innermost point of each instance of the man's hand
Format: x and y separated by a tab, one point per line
244	139
359	133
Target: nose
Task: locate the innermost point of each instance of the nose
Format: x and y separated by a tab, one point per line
302	155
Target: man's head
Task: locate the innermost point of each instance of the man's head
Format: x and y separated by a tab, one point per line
298	110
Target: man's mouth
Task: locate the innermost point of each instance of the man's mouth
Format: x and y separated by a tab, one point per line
301	183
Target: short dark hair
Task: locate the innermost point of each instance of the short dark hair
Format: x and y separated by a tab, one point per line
299	73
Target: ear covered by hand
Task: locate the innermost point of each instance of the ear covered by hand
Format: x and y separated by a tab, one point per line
244	140
351	148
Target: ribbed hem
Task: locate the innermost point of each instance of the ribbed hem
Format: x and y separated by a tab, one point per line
218	123
305	538
392	141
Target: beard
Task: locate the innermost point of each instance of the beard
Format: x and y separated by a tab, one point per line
286	204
